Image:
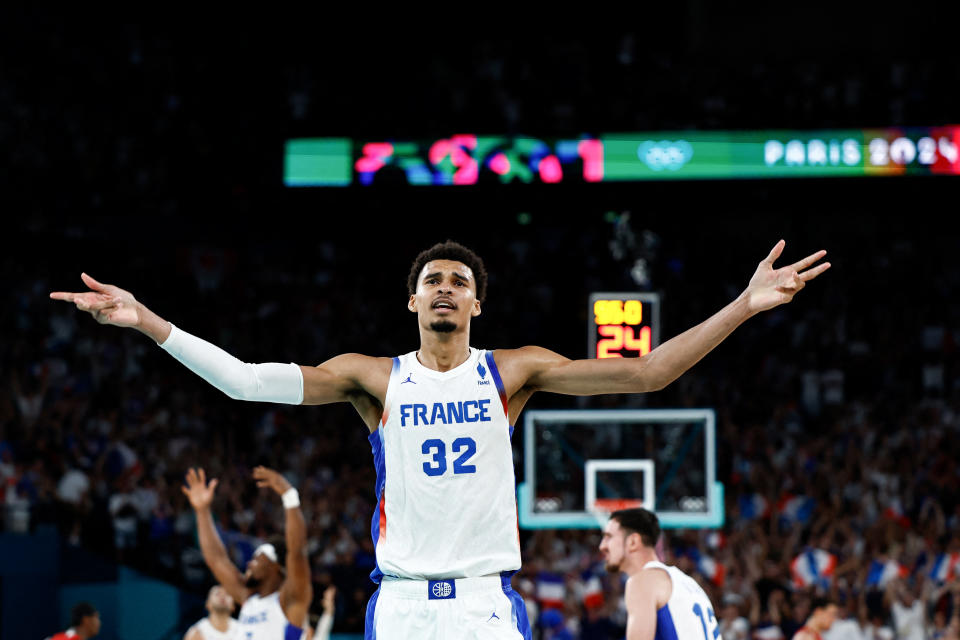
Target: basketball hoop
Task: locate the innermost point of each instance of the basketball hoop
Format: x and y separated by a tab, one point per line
609	505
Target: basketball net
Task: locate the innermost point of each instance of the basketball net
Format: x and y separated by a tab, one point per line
603	507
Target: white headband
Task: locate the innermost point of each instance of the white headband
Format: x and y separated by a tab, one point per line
268	550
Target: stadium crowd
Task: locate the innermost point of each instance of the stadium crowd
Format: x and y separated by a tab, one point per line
837	444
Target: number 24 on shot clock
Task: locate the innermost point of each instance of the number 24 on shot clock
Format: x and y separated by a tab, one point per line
622	325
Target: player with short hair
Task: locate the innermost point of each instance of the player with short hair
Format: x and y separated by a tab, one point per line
440	420
218	625
823	612
275	591
84	623
662	602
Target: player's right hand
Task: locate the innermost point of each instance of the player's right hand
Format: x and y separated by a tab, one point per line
198	492
107	303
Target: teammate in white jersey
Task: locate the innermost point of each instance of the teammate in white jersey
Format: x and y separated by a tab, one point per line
275	591
445	524
218	625
662	602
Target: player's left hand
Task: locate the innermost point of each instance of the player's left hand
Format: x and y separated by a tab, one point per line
270	478
771	287
328	599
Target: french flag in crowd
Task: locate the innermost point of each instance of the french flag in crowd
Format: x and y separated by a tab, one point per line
945	567
753	506
883	572
813	567
712	569
592	590
795	508
551	590
896	513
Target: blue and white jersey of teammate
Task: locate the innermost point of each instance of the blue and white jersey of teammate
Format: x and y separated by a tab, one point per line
263	619
445	527
663	603
688	613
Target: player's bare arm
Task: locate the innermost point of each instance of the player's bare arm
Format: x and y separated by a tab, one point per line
360	380
200	494
646	592
297	591
532	369
351	377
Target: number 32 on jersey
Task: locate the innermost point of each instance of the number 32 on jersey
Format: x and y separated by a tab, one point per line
437	450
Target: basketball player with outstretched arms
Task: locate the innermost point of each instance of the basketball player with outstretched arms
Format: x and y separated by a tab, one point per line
663	603
440	420
275	591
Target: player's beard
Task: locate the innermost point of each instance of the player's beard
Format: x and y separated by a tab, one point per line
223	611
251	582
443	326
612	567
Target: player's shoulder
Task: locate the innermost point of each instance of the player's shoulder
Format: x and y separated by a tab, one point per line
528	355
654	583
195	632
357	358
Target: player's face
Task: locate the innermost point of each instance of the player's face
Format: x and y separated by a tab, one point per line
219	600
92	624
827	616
612	545
257	569
446	296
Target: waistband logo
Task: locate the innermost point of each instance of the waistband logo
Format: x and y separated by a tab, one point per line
441	590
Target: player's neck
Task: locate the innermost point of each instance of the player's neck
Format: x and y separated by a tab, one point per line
220	621
268	587
443	351
635	562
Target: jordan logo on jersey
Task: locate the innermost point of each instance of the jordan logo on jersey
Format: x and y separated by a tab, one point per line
409	375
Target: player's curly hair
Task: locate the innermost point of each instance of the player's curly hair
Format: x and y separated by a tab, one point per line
640	521
449	250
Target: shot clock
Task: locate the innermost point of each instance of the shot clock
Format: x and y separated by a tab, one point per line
622	325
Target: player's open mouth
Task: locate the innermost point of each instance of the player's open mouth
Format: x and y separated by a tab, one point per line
442	304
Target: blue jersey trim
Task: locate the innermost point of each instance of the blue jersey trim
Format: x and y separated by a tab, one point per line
379	463
369	628
492	365
518	610
666	630
292	632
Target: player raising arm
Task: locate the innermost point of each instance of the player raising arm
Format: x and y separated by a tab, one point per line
446	294
440	420
275	591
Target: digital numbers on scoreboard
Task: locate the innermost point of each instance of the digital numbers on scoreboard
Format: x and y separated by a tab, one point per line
622	325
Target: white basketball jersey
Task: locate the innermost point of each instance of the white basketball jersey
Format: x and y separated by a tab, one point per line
688	613
446	493
209	632
263	619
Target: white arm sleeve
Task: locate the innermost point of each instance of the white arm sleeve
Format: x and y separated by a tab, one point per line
268	382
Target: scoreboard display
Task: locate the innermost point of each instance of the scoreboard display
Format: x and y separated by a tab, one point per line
470	159
622	325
